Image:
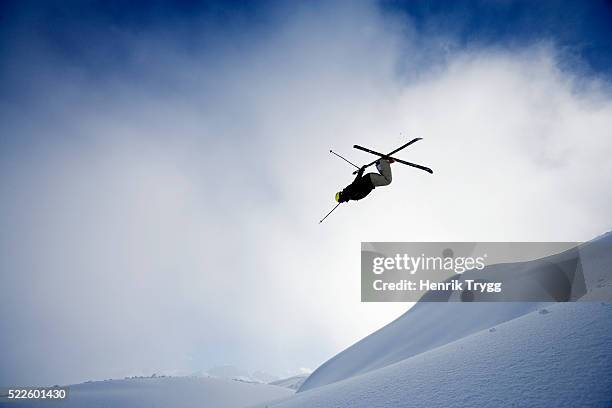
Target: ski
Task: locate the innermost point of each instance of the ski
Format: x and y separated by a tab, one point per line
418	166
395	151
416	139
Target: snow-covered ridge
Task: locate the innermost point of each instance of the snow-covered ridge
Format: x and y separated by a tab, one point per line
429	326
556	356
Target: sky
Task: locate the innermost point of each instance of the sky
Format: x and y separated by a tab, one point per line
163	168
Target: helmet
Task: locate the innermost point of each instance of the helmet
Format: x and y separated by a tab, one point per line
338	197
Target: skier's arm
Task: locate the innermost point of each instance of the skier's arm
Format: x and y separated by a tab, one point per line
359	173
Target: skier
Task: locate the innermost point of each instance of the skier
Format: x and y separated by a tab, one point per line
364	184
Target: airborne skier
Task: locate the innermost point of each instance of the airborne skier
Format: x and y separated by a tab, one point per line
364	184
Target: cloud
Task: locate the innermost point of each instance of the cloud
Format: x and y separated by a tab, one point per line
162	214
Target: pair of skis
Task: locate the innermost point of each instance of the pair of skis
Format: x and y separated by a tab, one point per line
384	156
388	156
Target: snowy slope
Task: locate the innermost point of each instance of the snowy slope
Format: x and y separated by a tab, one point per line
424	327
176	392
293	383
430	325
558	356
482	354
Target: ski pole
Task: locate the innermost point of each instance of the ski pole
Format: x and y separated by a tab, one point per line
332	152
332	210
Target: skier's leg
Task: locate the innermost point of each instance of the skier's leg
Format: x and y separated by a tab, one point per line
384	178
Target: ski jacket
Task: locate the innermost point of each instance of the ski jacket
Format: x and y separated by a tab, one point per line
359	188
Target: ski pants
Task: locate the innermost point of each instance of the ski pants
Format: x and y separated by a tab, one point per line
384	178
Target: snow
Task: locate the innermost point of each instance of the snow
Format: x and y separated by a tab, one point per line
176	392
428	326
424	327
293	383
482	354
560	358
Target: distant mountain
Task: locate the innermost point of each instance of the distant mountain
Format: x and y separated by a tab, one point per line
293	383
263	377
235	373
228	372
